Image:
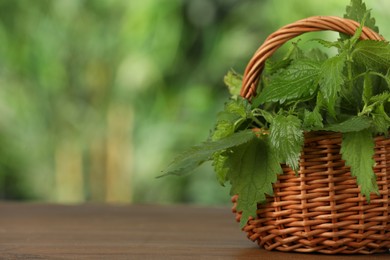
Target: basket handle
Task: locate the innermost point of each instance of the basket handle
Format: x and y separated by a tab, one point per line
279	37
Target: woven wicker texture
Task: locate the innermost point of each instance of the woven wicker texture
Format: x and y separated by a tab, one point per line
320	209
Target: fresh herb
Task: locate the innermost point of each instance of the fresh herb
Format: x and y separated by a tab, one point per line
306	91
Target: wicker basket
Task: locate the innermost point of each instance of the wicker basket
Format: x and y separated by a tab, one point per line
321	209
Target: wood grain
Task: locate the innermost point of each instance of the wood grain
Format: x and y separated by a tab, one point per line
36	231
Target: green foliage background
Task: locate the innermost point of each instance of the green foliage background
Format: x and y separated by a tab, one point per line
98	96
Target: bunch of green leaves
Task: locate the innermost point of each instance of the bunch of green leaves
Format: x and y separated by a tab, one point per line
305	91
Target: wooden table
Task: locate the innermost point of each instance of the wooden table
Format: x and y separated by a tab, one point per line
35	231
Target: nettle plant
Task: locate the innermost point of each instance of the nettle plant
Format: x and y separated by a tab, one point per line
305	91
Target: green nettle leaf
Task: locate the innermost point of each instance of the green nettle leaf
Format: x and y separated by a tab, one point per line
353	124
357	10
271	67
219	164
328	44
253	167
373	54
298	80
317	55
332	80
374	102
197	155
312	120
239	106
233	81
286	137
367	89
381	120
356	36
387	78
234	111
266	115
383	97
222	129
294	52
357	150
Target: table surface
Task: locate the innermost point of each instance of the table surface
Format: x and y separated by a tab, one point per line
36	231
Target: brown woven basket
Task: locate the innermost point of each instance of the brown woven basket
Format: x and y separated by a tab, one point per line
321	209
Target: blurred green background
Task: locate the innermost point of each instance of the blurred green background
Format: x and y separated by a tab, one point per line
98	96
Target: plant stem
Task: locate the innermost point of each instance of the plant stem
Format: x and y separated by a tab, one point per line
257	121
349	68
